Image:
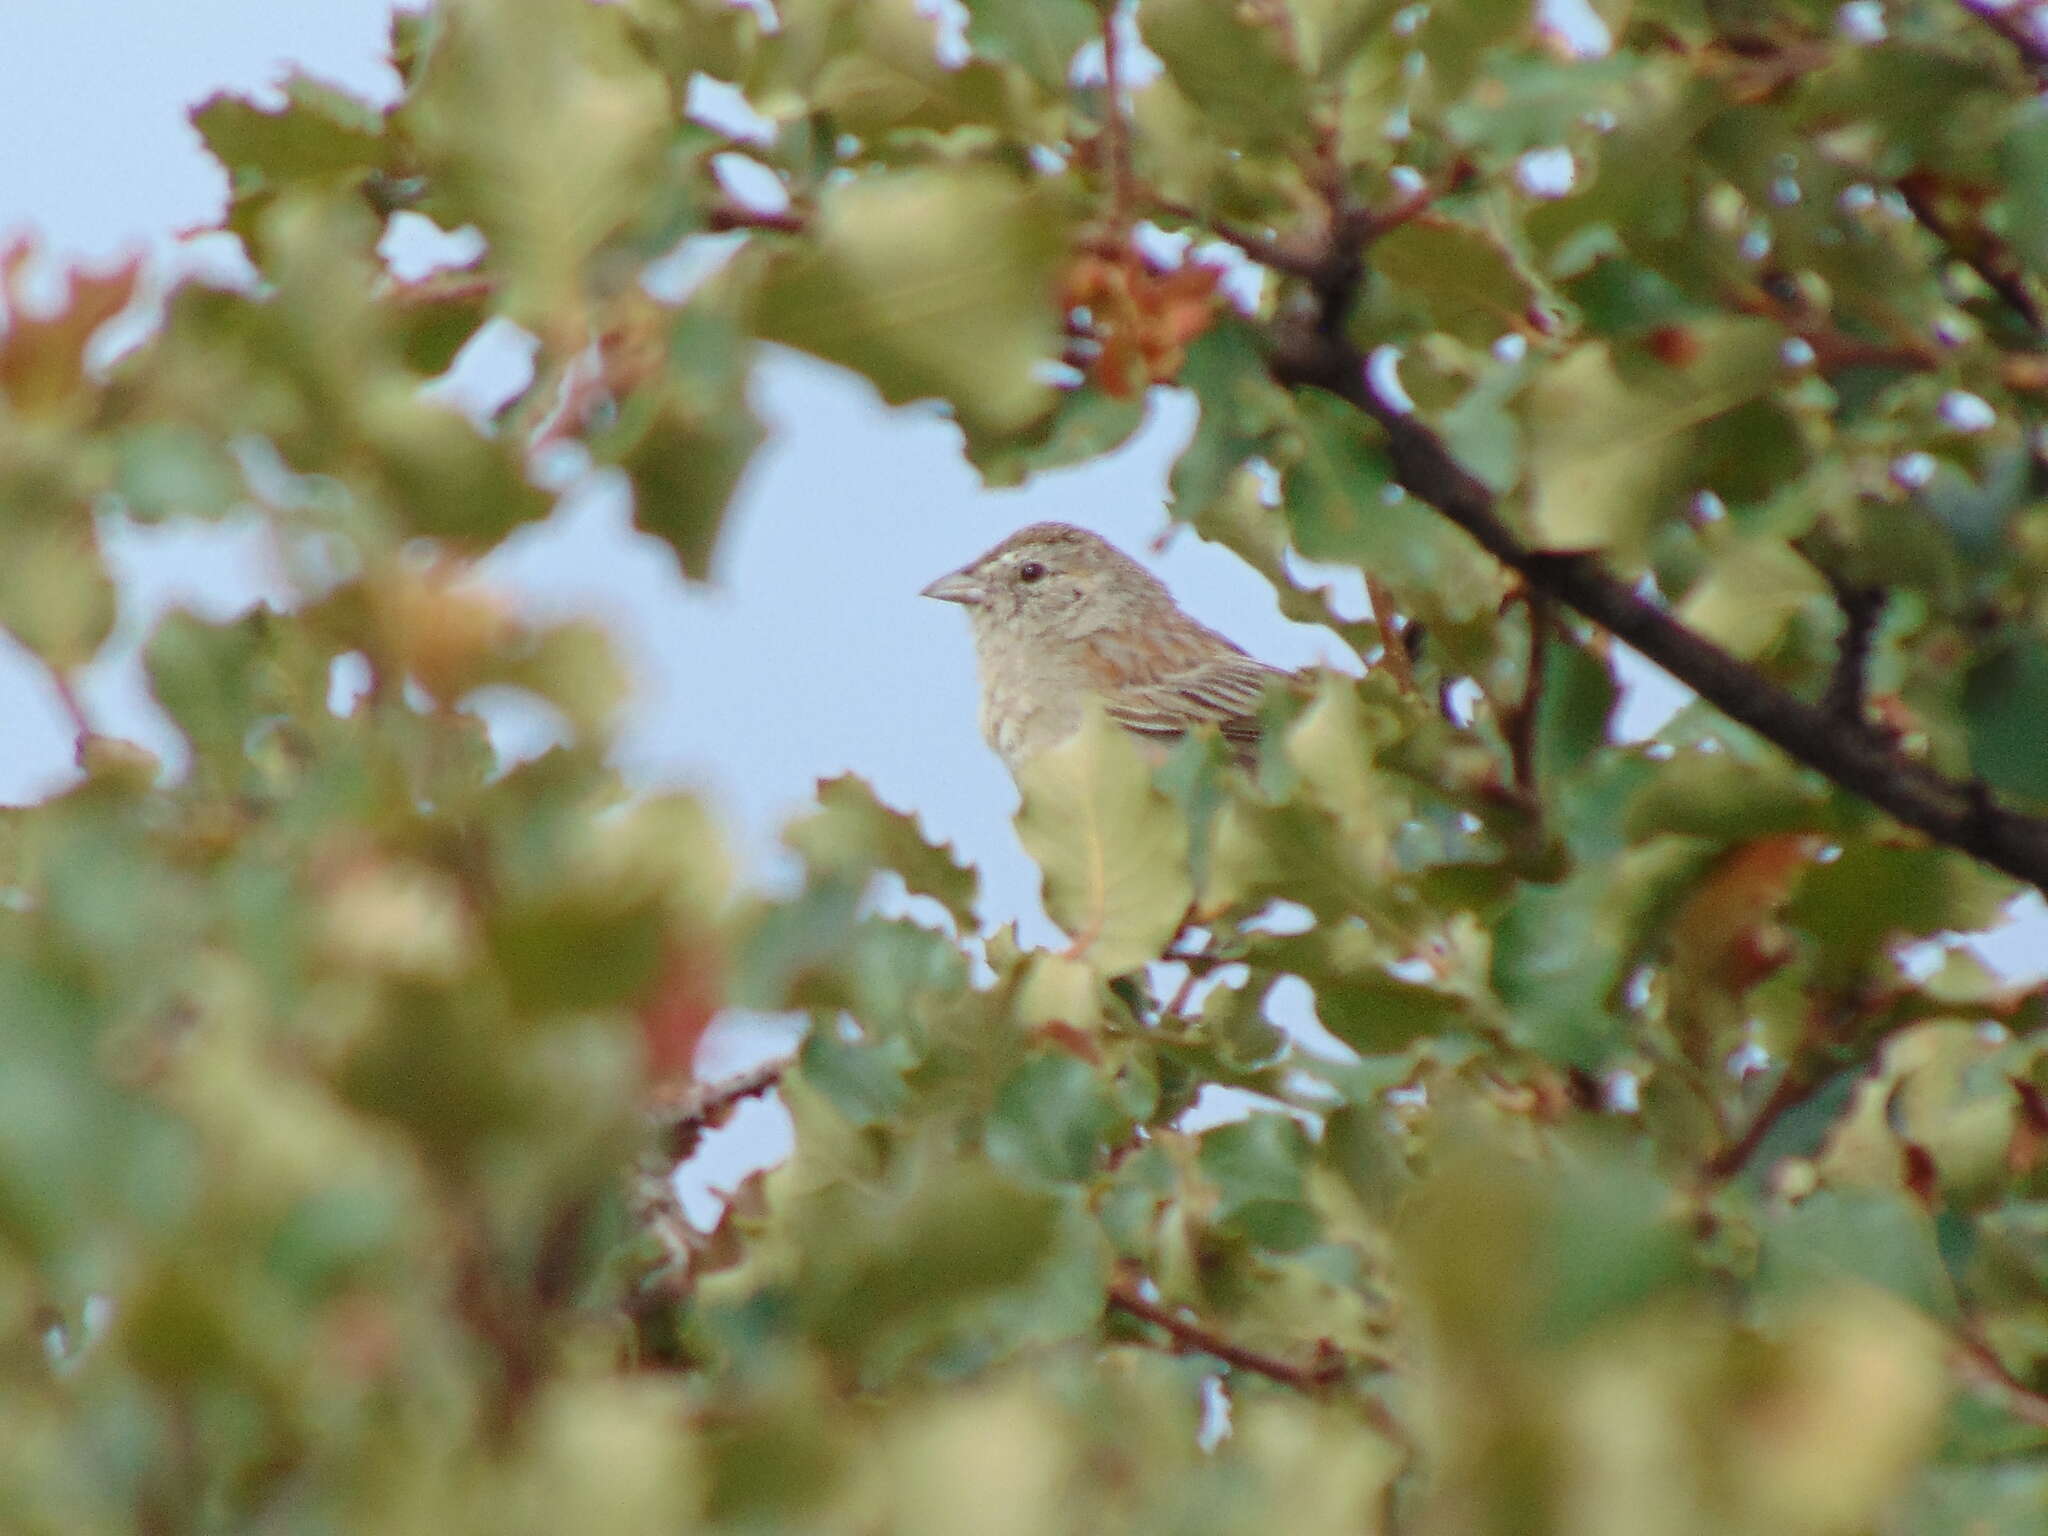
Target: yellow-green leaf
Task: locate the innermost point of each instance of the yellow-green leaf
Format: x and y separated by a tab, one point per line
936	281
1112	848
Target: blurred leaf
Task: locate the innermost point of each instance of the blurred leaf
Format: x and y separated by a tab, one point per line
2004	698
1239	406
1041	37
1113	850
853	834
2023	158
1233	66
1879	1237
965	313
1470	287
55	595
1750	593
1611	435
202	674
1376	1015
1342	506
168	470
1258	1166
1050	1120
686	438
545	135
1873	894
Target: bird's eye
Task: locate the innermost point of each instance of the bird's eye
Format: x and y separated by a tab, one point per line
1030	570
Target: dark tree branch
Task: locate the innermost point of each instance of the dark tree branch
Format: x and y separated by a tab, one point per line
1960	814
1976	247
1849	684
2020	25
1520	724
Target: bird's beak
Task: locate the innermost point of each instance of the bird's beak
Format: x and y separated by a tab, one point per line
959	587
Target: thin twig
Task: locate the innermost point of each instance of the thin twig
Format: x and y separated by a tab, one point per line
1116	142
1976	247
1326	1370
1792	1089
1393	642
701	1107
82	732
1277	253
1982	1364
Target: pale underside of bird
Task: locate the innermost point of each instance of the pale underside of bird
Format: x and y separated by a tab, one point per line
1061	617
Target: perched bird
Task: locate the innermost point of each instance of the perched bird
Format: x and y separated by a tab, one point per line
1060	617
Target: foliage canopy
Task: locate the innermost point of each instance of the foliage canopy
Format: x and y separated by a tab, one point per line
1672	1181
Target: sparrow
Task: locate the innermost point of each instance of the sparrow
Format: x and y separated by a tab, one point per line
1061	617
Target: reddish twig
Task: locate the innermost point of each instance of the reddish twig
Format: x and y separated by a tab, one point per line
1116	141
82	732
723	218
1982	1364
1327	1369
700	1107
1393	642
1792	1089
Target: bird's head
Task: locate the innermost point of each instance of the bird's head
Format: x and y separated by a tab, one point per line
1052	581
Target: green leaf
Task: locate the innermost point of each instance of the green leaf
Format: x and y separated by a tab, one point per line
964	312
1086	424
2023	158
1040	37
863	1080
1751	591
1468	285
319	132
1378	1015
1561	952
1259	1167
2004	702
319	137
1342	506
1875	893
1573	714
1240	404
1232	63
165	469
546	135
1611	436
854	835
1881	1237
790	940
1051	1120
685	439
1113	849
55	595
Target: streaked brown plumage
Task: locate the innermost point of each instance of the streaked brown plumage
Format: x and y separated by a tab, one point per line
1061	616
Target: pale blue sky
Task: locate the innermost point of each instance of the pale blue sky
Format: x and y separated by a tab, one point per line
812	654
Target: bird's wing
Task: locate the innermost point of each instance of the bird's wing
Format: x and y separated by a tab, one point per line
1162	690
